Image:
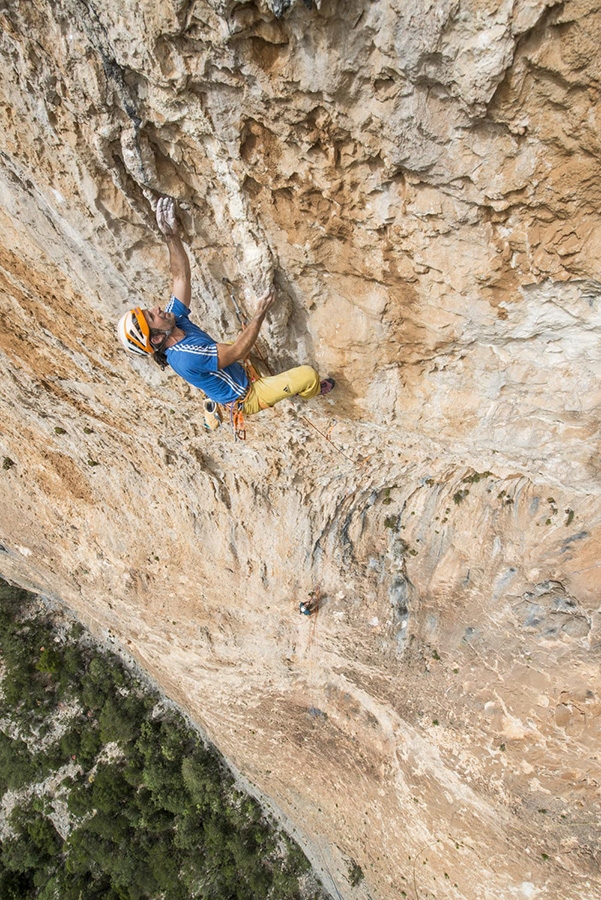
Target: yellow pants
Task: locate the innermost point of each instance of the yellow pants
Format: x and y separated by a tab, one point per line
265	392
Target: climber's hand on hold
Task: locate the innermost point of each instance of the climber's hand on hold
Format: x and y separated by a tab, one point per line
264	302
178	258
166	219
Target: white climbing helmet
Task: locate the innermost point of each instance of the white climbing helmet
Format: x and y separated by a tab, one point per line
134	333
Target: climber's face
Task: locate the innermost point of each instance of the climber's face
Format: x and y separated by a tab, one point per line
158	319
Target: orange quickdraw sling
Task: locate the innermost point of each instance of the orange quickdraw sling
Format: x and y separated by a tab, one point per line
236	409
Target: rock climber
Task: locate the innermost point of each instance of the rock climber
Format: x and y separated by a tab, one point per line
215	368
311	605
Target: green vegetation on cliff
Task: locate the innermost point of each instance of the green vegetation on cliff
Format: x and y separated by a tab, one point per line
108	794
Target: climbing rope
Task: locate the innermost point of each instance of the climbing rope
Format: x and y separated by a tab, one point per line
332	444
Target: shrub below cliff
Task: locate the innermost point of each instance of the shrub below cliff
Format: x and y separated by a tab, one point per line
110	794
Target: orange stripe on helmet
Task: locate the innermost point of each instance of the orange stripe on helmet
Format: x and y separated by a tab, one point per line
144	328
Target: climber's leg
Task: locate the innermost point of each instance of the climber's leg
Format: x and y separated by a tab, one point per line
265	392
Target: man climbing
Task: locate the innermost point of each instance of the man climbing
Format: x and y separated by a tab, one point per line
215	368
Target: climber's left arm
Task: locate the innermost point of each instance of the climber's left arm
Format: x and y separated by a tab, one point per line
178	258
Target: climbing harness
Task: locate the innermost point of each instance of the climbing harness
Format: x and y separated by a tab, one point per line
214	412
236	409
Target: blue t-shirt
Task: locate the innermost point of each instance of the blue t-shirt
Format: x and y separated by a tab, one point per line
195	359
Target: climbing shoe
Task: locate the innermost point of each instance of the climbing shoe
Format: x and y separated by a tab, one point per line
212	416
327	385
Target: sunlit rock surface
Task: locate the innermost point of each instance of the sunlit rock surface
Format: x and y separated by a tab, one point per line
422	180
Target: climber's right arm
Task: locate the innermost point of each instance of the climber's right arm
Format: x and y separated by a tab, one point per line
239	350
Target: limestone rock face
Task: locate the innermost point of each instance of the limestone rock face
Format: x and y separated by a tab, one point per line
422	181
